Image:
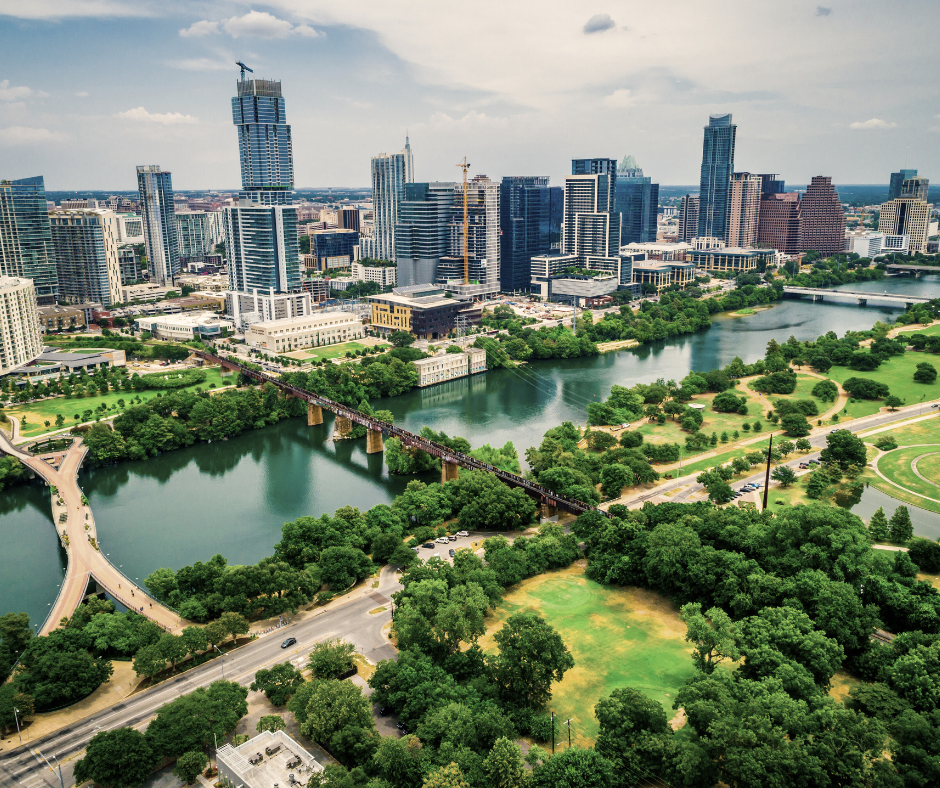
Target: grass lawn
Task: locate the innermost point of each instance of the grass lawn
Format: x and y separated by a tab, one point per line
332	351
914	329
898	373
720	459
896	465
619	637
926	431
46	410
842	684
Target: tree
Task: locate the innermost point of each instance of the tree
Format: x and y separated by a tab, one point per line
149	661
785	448
401	338
10	699
866	388
334	705
926	373
172	648
190	765
574	767
614	478
795	424
901	528
195	639
503	765
234	624
878	529
634	734
448	776
271	722
331	658
278	682
719	491
713	633
122	758
400	762
341	567
783	474
15	635
531	656
844	449
893	403
816	485
188	722
803	445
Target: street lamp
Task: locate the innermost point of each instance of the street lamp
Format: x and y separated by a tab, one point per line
19	735
223	660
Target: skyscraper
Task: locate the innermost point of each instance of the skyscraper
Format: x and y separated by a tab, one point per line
421	233
822	220
743	209
637	201
483	261
264	142
155	192
915	186
591	224
192	233
262	247
688	218
390	173
906	215
20	330
529	224
715	181
778	224
86	253
26	248
897	182
771	184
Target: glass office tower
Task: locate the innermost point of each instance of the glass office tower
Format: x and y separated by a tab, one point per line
637	201
897	182
715	182
264	142
155	191
529	223
26	249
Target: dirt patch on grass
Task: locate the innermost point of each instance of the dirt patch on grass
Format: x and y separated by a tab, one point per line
841	685
366	668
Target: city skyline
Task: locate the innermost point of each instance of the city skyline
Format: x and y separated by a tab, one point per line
359	81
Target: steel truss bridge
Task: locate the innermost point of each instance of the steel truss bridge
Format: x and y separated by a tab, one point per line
451	460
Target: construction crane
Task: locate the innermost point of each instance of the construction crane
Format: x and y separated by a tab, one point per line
244	68
465	165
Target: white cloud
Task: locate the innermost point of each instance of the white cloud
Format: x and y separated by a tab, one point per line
59	9
873	123
82	93
260	24
203	28
622	97
8	93
166	119
25	135
599	23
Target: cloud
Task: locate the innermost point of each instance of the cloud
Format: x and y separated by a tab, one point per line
167	119
622	97
599	23
24	135
82	93
260	24
8	93
203	64
873	123
821	10
203	28
58	9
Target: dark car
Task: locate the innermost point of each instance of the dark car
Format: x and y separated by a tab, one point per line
289	642
384	710
429	545
452	552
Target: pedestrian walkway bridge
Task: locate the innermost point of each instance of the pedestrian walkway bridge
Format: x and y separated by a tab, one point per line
821	294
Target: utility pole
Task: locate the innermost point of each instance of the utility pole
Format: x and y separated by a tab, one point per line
19	735
46	761
770	447
568	723
223	661
465	165
553	733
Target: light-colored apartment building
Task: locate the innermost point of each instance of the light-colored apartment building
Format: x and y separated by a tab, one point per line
448	366
296	333
20	332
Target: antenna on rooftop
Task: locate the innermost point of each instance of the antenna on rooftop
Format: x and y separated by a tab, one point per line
244	68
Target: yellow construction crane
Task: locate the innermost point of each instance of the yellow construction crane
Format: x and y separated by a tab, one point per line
465	165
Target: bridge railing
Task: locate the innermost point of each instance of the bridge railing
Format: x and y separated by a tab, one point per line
571	505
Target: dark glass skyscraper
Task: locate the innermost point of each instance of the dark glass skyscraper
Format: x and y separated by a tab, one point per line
529	223
715	181
421	234
637	201
897	182
264	142
26	248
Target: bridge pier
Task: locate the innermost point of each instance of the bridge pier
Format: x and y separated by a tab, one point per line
314	415
908	304
374	443
341	428
548	511
449	471
863	302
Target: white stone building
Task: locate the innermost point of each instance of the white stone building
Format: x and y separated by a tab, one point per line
303	331
20	331
448	366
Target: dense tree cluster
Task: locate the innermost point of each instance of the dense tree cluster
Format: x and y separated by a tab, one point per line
837	270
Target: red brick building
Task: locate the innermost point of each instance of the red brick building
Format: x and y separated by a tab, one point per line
822	221
779	222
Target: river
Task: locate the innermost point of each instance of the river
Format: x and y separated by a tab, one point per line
232	497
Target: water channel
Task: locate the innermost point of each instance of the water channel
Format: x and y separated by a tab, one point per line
232	497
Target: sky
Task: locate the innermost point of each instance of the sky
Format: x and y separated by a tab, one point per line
91	88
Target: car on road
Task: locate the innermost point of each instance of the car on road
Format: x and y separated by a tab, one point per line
462	533
803	466
442	540
452	552
384	710
428	545
452	538
812	462
289	642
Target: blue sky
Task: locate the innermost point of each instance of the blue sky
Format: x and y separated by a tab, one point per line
91	88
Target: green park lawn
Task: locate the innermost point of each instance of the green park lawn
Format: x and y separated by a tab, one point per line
332	351
925	431
36	413
618	637
896	465
898	373
929	330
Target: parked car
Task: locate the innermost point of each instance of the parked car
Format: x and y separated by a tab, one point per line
803	465
384	711
452	538
442	540
452	552
289	642
429	545
462	533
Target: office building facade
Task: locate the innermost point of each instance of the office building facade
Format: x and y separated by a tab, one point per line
421	235
688	218
482	241
264	142
743	209
591	223
822	220
908	216
637	202
332	249
87	259
715	180
155	192
916	186
778	225
391	172
26	249
771	184
897	182
530	214
262	247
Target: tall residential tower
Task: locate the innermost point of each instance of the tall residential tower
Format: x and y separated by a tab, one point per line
715	181
529	224
155	192
390	173
25	237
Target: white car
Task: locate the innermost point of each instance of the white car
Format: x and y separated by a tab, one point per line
462	533
442	540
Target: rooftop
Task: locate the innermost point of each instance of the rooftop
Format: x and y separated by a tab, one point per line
252	765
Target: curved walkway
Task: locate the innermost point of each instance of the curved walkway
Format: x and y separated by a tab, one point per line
76	528
876	469
918	473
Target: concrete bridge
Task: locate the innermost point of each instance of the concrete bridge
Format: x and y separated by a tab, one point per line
451	461
821	293
89	569
917	270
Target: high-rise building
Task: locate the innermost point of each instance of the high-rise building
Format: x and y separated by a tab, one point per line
390	173
778	224
20	329
771	184
637	201
743	209
908	216
715	181
155	190
688	218
822	220
897	182
191	233
483	262
529	224
264	142
87	257
421	234
348	219
262	247
591	223
25	237
915	186
215	228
